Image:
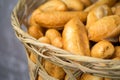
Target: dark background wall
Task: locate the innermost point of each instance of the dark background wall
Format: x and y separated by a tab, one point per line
13	61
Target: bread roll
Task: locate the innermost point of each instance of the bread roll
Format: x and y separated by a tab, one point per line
107	27
97	14
75	38
102	49
57	19
53	5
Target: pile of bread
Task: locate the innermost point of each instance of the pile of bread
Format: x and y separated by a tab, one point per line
80	27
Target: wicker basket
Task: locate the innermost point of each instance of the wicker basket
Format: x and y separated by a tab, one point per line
60	57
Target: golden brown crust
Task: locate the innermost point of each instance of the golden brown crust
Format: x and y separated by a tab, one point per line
99	3
44	39
55	37
97	14
117	52
107	79
53	5
39	78
102	28
66	78
116	58
74	4
35	32
32	17
57	19
117	11
54	70
75	37
102	49
90	77
33	57
86	2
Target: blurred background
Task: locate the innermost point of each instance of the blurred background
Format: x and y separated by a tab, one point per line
13	60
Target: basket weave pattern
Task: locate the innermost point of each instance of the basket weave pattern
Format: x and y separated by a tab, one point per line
60	57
